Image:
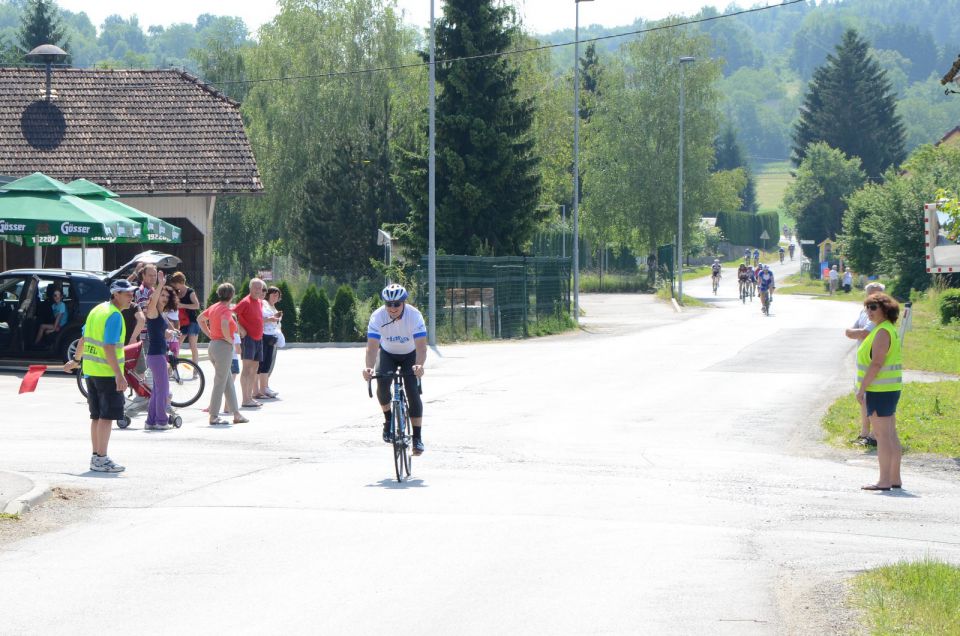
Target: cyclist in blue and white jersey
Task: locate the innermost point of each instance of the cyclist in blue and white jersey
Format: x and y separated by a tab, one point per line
398	332
756	257
746	256
765	282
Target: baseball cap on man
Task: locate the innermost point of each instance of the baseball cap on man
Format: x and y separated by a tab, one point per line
121	285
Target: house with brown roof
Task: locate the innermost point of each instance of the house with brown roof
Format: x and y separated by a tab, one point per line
164	141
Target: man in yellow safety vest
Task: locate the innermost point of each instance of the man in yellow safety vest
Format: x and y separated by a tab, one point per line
101	352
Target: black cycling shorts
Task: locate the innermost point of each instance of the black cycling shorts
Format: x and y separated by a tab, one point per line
387	363
105	402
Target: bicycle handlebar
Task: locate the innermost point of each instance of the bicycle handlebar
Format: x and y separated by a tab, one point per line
392	374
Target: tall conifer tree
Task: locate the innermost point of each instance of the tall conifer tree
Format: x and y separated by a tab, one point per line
487	180
41	25
850	106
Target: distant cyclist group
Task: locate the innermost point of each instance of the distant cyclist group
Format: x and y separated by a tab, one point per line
753	277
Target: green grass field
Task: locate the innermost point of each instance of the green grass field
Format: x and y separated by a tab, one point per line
910	598
772	181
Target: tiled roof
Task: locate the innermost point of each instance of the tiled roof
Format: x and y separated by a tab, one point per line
134	132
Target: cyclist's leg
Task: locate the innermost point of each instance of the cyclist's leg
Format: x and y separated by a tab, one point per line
385	364
414	402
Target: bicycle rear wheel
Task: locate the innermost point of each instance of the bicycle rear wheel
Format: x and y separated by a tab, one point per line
186	382
80	383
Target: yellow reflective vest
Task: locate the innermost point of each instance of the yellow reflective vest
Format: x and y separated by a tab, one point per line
890	377
94	348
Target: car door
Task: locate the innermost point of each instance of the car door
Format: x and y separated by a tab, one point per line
19	294
11	290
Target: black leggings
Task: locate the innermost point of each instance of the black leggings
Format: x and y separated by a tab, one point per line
388	362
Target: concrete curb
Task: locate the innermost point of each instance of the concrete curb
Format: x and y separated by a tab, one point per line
676	306
37	495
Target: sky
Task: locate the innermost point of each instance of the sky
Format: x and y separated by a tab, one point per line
540	16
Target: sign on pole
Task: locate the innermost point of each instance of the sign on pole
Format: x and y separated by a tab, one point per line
807	242
765	236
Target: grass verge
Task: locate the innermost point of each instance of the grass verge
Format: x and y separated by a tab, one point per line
926	419
929	345
921	597
551	325
8	517
613	283
688	301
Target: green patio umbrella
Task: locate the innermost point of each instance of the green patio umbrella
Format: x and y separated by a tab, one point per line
46	210
152	229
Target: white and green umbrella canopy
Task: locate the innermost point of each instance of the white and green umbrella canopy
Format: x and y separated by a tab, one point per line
152	229
42	211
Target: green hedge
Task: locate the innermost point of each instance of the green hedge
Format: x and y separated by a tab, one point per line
949	305
744	228
315	315
343	316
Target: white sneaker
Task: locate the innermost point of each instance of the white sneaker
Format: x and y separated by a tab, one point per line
105	465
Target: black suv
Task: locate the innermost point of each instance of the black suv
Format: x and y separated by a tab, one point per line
25	304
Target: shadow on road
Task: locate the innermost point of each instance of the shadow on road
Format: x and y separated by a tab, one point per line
393	484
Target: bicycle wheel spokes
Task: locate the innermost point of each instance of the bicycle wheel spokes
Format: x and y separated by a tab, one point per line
186	382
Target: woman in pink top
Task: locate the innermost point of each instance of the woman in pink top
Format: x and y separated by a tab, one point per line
218	324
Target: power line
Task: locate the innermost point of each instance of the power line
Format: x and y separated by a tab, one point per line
543	47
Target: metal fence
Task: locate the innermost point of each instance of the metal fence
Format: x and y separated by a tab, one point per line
496	297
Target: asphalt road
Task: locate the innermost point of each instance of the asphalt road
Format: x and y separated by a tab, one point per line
657	473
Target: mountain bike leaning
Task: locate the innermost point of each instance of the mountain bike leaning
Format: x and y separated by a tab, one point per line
397	338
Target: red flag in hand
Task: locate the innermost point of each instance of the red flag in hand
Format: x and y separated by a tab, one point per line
30	380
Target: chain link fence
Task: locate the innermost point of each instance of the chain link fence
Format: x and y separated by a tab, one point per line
496	297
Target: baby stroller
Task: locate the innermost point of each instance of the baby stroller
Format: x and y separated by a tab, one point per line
186	385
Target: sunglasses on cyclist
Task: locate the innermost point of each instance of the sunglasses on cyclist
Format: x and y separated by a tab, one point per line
394	303
873	306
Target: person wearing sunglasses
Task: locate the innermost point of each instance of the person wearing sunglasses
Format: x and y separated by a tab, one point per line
879	382
397	337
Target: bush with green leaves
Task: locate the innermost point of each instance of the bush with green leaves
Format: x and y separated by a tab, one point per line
343	316
315	315
949	305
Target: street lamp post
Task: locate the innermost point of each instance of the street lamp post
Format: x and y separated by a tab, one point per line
576	165
432	188
683	62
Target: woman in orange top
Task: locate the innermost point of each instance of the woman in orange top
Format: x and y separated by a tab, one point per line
218	323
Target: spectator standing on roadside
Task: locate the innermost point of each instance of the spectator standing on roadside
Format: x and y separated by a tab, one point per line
189	306
101	351
834	279
860	330
879	383
249	313
218	324
162	300
847	280
271	331
133	319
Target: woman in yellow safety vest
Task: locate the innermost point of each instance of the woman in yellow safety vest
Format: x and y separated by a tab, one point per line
879	382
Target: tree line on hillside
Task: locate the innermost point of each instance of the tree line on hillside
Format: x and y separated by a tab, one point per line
344	153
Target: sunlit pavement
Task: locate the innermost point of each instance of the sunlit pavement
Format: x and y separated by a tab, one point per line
658	473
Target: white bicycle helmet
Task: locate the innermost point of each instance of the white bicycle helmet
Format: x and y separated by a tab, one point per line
394	292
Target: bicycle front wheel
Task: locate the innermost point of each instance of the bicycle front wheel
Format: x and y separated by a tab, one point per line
186	382
81	384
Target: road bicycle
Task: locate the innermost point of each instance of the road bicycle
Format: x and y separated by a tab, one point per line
716	283
401	430
766	297
745	290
